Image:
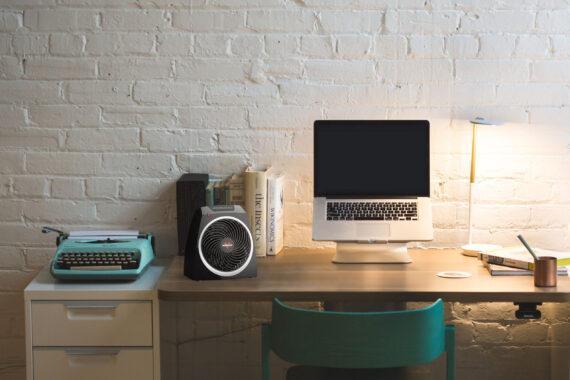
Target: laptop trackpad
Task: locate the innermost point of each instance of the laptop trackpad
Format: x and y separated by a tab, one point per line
372	230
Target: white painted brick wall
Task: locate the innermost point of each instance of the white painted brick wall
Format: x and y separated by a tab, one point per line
119	43
30	44
66	44
497	46
68	188
104	104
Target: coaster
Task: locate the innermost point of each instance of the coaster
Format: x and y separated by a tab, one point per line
454	274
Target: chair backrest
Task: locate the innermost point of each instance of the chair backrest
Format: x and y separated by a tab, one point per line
355	339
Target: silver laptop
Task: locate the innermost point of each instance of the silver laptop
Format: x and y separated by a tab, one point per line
372	181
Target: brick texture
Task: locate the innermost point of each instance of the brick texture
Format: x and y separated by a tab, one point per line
104	104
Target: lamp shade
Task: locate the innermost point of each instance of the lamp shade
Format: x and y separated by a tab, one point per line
484	121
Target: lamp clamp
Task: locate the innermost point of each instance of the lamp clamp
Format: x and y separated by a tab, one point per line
528	310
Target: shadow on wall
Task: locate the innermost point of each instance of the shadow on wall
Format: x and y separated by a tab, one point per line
156	214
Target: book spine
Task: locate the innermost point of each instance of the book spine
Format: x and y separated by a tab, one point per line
236	194
506	262
270	216
256	208
209	196
279	211
226	196
218	194
274	215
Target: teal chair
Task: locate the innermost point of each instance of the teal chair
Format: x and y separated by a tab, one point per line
351	340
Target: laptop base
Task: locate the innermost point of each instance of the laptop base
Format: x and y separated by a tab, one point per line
371	253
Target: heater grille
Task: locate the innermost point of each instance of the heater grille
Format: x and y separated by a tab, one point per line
226	245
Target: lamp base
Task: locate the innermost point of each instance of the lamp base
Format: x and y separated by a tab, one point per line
473	250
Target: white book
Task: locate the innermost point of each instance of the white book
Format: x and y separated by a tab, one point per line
255	186
275	200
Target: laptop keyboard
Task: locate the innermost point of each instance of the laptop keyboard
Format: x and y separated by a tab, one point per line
372	211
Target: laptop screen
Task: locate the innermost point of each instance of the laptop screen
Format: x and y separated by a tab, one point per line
371	158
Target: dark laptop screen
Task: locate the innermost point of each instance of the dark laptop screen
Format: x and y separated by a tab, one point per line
371	158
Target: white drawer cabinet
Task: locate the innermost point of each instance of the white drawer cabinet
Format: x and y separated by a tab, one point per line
92	323
93	363
93	330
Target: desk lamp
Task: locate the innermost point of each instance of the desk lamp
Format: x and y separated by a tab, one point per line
471	249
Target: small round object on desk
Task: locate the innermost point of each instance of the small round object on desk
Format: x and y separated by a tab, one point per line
454	274
475	249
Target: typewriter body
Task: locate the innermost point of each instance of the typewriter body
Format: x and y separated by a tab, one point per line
101	258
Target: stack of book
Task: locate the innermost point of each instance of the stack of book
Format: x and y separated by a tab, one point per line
516	261
228	191
260	193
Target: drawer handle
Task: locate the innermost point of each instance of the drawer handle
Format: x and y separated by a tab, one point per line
92	307
91	357
92	351
97	311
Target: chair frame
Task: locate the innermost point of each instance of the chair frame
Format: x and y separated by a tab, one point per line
417	336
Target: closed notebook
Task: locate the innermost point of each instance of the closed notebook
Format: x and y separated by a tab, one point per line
518	257
499	270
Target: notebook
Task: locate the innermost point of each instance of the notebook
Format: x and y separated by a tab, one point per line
499	270
518	257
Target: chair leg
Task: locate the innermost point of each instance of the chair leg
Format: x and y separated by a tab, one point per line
265	351
450	351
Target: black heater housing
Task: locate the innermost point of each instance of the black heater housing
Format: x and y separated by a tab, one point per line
190	196
220	245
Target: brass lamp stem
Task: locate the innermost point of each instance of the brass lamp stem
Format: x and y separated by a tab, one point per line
472	183
473	153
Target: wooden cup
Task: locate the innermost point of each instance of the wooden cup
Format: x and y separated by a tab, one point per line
545	271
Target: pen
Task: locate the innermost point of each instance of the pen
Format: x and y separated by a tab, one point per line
528	248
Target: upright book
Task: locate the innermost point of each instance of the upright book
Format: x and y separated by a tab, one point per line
518	257
220	193
255	186
275	184
235	190
213	182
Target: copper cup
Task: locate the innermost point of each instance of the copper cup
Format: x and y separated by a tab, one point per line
545	271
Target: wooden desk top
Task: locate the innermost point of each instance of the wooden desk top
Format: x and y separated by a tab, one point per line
309	275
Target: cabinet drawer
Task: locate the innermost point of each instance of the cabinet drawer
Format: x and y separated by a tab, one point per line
93	363
91	323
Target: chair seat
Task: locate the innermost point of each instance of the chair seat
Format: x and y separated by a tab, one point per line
302	372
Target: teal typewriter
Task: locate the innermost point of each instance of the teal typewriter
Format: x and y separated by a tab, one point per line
101	255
